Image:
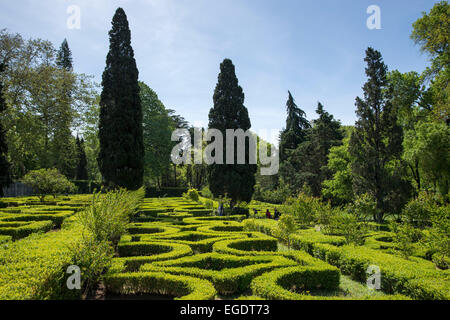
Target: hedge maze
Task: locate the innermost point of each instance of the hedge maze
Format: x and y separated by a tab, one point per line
177	249
21	217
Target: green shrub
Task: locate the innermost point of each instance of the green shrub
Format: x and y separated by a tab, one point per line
209	204
93	259
108	215
285	228
437	240
364	207
192	194
347	225
419	211
404	238
303	208
48	182
206	193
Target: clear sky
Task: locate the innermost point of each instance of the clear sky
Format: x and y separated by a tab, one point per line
314	48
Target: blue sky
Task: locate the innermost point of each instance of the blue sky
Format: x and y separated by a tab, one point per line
314	48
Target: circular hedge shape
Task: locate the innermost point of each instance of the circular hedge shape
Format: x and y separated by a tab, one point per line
147	248
240	247
161	251
277	284
149	228
182	287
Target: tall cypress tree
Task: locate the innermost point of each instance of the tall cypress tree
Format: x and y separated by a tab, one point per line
235	180
296	128
121	156
64	149
376	142
5	175
82	173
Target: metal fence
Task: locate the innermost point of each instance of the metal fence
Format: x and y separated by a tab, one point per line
17	189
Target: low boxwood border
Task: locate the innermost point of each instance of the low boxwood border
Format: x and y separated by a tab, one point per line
183	287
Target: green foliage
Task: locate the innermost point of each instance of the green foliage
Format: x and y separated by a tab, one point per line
18	230
64	56
416	278
81	170
209	204
45	101
48	182
33	268
419	211
306	166
285	228
437	239
229	273
192	194
405	236
121	156
431	33
277	196
93	258
428	145
364	207
157	131
182	287
295	131
339	188
377	139
347	225
5	174
205	192
304	209
236	181
108	215
294	282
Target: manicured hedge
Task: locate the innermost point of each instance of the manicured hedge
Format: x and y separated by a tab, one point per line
18	230
198	241
164	192
278	284
182	287
416	278
229	274
33	268
56	217
242	247
151	228
166	251
4	239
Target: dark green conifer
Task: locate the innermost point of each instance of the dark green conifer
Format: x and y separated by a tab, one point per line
121	156
234	180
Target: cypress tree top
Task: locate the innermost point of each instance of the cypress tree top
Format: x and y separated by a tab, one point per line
296	128
64	57
229	111
121	156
